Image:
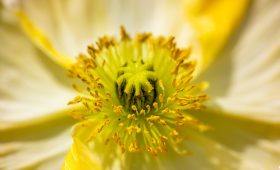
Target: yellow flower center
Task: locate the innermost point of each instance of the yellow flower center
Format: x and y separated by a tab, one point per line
136	85
139	92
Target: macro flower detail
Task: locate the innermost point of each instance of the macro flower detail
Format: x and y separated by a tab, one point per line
231	45
138	90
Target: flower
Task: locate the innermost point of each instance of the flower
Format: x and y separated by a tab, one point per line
136	93
242	111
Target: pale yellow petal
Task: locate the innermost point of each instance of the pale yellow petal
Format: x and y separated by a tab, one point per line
245	81
214	22
42	41
87	132
71	25
205	153
230	144
37	146
63	29
31	86
34	125
265	153
80	158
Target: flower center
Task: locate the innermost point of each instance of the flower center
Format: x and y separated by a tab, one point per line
136	85
136	93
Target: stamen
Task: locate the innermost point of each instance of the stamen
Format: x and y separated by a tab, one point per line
139	91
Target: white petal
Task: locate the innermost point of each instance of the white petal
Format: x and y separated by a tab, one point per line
34	127
245	81
72	25
264	155
31	85
36	147
230	144
234	144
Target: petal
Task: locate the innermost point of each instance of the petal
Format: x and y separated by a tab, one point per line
231	144
252	144
36	146
214	22
72	25
80	157
34	125
42	41
245	81
265	155
64	28
88	146
31	86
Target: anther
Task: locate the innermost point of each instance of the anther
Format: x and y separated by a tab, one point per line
131	116
155	104
142	112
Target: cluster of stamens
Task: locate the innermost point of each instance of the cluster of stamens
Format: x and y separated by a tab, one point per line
138	92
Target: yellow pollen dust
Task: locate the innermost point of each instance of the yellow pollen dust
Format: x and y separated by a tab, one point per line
139	93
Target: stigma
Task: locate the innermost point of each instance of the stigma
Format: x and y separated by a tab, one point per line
136	84
138	91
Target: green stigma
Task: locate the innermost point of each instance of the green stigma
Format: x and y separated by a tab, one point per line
136	84
136	93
